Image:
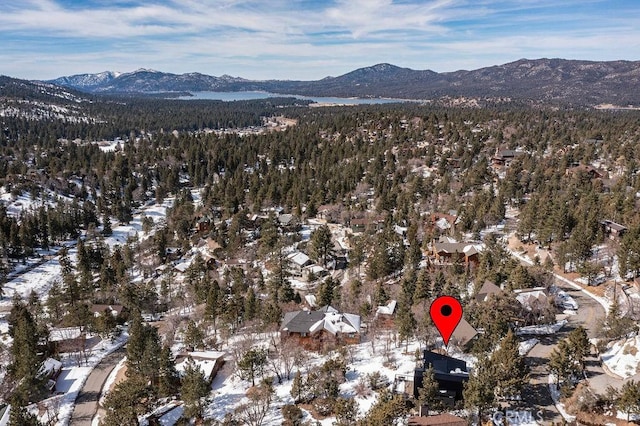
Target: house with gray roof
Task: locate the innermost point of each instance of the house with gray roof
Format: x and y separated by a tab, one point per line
325	327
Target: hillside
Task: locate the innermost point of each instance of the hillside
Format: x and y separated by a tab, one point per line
546	80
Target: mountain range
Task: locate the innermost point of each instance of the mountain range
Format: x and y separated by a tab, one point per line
545	80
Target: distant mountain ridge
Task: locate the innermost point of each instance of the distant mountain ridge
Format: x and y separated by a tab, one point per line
560	80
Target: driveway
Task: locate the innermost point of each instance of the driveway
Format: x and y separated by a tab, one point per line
87	401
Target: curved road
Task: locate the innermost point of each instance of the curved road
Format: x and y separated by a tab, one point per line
590	314
87	401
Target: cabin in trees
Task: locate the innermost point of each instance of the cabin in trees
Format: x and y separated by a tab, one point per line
613	230
487	289
450	373
203	224
209	362
448	253
298	261
586	170
326	327
504	157
370	224
98	309
329	212
443	223
386	315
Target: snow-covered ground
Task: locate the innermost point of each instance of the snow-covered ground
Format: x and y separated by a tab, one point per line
601	300
537	330
229	391
623	357
15	204
40	279
526	346
555	395
72	377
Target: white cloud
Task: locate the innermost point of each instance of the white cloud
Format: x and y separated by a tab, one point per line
288	39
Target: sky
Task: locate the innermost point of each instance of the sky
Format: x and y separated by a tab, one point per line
305	39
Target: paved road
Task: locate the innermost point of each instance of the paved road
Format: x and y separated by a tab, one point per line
87	400
590	315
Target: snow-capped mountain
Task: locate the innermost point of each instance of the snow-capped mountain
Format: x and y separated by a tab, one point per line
557	80
86	81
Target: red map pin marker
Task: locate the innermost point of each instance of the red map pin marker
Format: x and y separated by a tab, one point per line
446	313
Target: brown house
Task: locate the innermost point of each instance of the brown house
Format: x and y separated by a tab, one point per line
613	230
446	253
386	315
443	223
367	224
504	157
487	289
203	224
319	329
584	169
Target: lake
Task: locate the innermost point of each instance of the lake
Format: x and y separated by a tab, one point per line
246	96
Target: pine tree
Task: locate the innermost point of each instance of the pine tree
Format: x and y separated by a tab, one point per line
26	363
106	226
194	389
580	346
381	297
212	307
405	322
127	401
71	288
298	388
169	379
386	410
629	400
193	336
561	363
250	305
511	372
252	364
479	390
429	392
346	412
423	286
321	244
19	416
326	292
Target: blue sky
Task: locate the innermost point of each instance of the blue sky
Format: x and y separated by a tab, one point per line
306	39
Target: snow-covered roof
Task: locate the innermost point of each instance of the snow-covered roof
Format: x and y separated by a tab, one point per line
60	334
205	365
311	300
327	318
50	366
207	354
299	258
443	224
316	269
388	309
531	298
335	322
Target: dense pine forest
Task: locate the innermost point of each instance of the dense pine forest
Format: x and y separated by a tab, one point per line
549	176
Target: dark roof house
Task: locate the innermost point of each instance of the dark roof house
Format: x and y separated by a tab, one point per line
450	373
